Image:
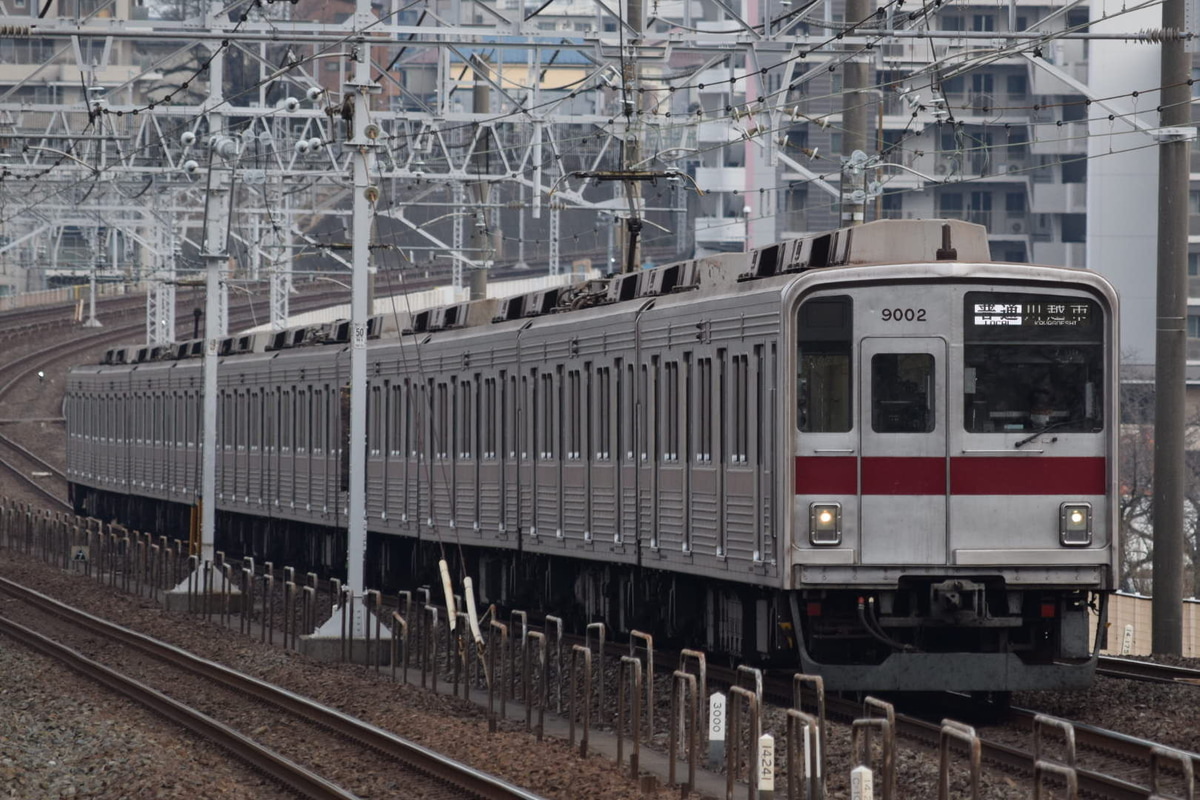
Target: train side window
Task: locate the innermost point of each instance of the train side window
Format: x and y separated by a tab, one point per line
902	393
823	391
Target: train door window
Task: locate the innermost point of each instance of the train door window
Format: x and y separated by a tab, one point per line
531	395
823	391
670	412
158	419
508	415
572	421
395	425
643	414
271	420
704	410
287	397
243	427
902	393
721	442
225	426
375	417
739	418
602	402
466	422
255	420
440	419
328	417
315	428
689	398
546	445
301	420
456	445
626	408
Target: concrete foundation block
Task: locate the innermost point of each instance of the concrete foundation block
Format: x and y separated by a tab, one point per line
330	649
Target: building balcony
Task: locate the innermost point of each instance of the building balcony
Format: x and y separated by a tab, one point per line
720	229
721	179
1058	140
1058	198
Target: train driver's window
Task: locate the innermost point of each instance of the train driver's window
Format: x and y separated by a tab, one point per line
824	379
902	393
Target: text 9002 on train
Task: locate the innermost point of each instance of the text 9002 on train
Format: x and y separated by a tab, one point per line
871	454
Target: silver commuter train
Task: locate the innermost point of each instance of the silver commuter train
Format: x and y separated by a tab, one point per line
872	454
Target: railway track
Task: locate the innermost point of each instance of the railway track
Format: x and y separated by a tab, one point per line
1147	671
356	747
1108	764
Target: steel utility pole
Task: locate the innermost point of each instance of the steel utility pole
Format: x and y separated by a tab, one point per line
1171	336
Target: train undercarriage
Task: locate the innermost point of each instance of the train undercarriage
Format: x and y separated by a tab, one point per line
924	633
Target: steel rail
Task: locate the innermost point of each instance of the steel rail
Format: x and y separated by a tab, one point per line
413	755
34	484
290	774
1091	783
1147	671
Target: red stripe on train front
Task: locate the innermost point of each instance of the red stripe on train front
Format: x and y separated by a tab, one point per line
827	475
991	475
838	475
903	475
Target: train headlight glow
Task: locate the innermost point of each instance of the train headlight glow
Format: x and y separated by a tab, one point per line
825	523
1075	524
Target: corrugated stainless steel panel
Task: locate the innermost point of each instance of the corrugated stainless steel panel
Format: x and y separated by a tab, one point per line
671	517
574	510
441	494
466	498
603	522
548	498
705	511
376	487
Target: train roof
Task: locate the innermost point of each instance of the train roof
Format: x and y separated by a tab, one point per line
876	243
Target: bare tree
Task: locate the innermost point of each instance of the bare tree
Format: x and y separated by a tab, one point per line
1135	503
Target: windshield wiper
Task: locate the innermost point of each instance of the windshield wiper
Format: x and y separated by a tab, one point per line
1042	430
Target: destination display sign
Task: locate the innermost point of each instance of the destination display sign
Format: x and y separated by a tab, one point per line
1034	314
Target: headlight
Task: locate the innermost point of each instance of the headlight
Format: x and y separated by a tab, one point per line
825	523
1075	524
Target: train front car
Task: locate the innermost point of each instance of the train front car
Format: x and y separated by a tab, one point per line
954	510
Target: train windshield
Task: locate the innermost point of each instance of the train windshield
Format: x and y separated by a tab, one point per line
1032	362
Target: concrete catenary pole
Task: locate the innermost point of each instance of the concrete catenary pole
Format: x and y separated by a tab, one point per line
363	141
854	118
631	144
1170	337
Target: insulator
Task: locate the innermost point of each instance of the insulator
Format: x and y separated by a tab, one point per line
15	31
1159	35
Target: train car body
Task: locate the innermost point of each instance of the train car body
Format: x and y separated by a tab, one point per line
872	454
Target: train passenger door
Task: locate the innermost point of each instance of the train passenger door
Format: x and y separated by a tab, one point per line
903	430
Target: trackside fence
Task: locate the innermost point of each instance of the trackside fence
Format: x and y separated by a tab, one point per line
528	664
